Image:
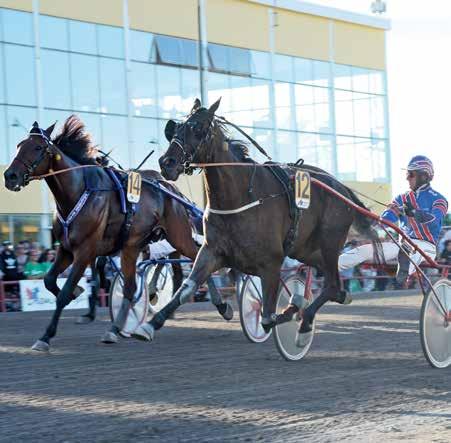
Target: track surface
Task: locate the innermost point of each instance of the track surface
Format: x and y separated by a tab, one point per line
365	379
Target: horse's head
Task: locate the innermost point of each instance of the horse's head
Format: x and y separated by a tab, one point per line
186	140
32	158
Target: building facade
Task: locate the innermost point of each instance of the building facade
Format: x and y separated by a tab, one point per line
303	80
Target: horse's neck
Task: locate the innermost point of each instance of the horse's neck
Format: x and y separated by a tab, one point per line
226	185
68	186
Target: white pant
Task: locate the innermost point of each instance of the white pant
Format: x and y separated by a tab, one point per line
364	253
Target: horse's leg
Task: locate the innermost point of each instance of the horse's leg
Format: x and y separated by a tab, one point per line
206	263
62	261
152	288
65	296
93	298
331	244
270	285
224	308
128	264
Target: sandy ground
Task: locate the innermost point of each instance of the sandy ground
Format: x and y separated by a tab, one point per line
365	379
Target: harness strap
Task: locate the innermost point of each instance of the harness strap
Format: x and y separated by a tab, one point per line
235	211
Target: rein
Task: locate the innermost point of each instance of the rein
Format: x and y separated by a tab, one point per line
61	171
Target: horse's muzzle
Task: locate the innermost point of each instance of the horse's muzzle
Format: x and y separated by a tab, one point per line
13	181
169	168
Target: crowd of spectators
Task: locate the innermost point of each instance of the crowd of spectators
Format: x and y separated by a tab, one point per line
26	260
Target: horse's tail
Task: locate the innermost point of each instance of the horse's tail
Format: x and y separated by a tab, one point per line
366	227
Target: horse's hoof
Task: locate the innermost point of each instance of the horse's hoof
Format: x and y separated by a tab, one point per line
348	299
226	310
303	338
84	320
110	337
144	332
41	346
124	334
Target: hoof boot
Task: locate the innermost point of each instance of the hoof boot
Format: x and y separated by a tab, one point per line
144	332
226	310
303	339
109	337
41	346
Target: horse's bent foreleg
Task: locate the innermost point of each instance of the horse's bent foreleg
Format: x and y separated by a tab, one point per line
62	261
206	263
65	296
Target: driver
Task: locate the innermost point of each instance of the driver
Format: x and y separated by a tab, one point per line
420	212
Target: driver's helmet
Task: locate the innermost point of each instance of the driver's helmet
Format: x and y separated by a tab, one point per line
421	163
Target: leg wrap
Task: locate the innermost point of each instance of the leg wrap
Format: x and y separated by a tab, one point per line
187	290
214	293
122	315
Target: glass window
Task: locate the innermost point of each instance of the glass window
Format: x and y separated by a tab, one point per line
110	41
219	57
115	137
26	227
305	108
260	103
321	72
264	137
20	78
146	140
112	86
92	124
82	37
53	32
342	77
286	146
56	79
241	100
344	113
377	115
85	84
303	70
169	50
19	120
360	79
284	116
346	159
362	114
141	46
17	27
142	90
283	68
5	155
189	89
51	116
240	60
379	160
364	166
169	92
2	75
316	150
376	82
219	86
190	52
260	64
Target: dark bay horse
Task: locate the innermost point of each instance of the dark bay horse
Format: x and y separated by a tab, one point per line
252	240
97	229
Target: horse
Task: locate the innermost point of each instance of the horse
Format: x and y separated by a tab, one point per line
103	223
249	223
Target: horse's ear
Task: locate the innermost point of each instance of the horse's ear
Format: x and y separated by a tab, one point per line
214	107
169	130
35	125
197	105
49	130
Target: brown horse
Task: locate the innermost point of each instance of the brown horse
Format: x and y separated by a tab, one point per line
255	239
98	229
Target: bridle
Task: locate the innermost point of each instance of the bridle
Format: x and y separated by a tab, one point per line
47	151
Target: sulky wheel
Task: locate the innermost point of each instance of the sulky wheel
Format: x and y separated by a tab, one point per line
250	304
164	286
285	333
435	324
137	314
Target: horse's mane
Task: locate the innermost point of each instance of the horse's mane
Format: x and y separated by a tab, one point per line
75	142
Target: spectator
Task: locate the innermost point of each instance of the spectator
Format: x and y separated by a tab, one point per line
8	263
445	256
48	259
33	269
22	257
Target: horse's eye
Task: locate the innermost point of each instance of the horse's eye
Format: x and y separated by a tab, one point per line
38	148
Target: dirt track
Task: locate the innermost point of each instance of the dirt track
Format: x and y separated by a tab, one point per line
365	379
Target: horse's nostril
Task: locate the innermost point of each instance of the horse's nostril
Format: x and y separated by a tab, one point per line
169	163
12	176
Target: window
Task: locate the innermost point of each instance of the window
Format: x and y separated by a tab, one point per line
176	51
344	114
19	119
230	59
56	79
219	57
287	146
346	159
93	127
360	79
260	64
189	89
362	114
2	75
342	77
260	103
20	78
85	84
8	148
316	150
321	73
219	86
283	68
110	41
112	86
115	137
169	92
82	37
53	32
141	46
240	61
17	27
312	109
303	70
146	140
284	116
143	89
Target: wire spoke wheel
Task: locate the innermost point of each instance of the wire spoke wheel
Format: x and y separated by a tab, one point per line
164	286
250	304
137	313
285	333
435	325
